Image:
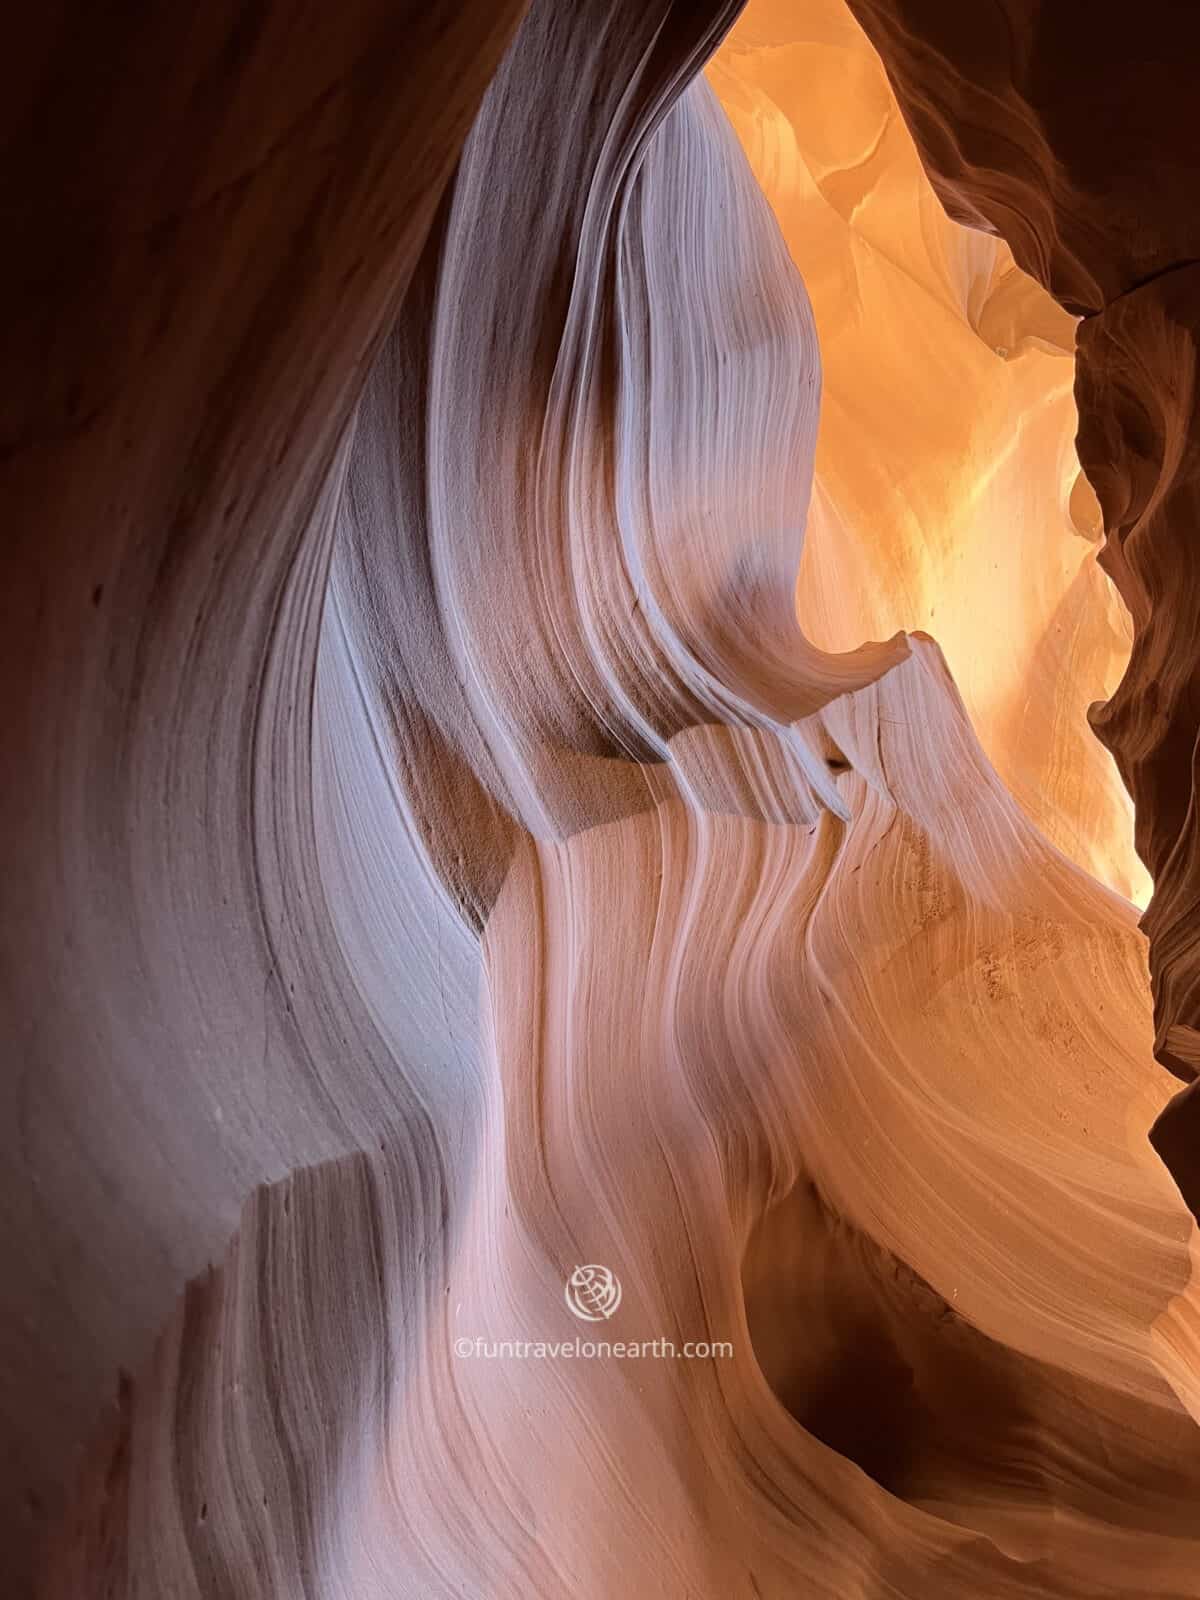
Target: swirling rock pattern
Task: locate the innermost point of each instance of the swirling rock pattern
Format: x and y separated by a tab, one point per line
1005	109
212	216
968	502
470	840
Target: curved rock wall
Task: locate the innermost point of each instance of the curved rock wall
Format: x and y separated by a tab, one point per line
212	215
441	835
1082	153
947	490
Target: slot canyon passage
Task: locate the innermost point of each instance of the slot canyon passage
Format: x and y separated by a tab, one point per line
601	659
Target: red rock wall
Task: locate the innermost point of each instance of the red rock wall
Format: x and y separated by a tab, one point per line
1072	133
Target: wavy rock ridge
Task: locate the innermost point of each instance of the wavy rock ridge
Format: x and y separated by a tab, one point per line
947	490
455	828
1009	133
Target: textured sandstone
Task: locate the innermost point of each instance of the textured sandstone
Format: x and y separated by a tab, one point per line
466	834
947	493
1081	150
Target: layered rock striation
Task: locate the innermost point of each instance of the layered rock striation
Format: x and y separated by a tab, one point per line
467	837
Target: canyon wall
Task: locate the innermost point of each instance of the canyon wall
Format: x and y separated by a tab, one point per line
464	833
212	218
948	494
1040	123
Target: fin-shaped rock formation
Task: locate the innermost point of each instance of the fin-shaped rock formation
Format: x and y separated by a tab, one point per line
473	888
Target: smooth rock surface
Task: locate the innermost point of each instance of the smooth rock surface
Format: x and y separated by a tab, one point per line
466	836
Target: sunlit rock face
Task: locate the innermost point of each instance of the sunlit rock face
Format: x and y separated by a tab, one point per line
1083	154
947	494
546	859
